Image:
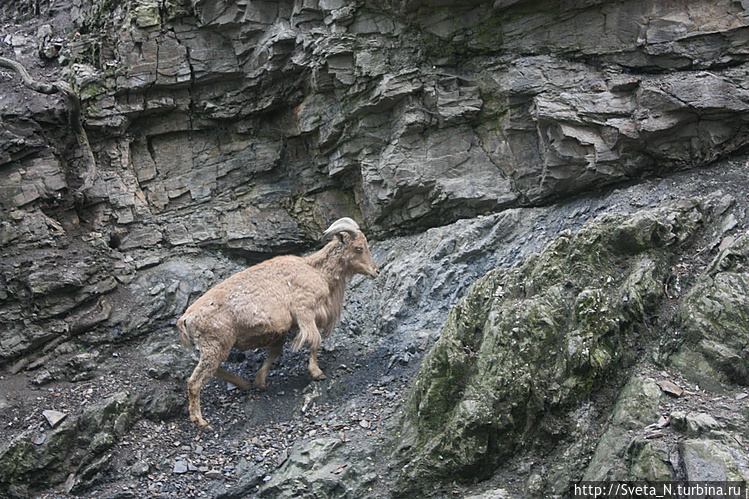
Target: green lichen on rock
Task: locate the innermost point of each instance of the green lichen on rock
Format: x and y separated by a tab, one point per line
34	457
536	339
650	461
714	317
620	457
23	461
147	14
151	13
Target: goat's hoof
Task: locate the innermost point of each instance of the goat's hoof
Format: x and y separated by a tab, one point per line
202	424
205	427
319	376
260	386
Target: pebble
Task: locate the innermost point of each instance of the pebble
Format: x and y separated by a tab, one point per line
140	468
214	474
180	467
670	388
54	418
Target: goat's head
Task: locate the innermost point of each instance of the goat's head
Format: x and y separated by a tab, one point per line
355	251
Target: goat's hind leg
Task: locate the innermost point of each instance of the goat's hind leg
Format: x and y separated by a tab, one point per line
310	334
204	371
274	351
314	368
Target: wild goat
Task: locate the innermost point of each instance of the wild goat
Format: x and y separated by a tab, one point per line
256	308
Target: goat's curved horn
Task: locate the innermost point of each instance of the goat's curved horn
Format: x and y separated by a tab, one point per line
342	225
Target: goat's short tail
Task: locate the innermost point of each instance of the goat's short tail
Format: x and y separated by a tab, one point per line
184	334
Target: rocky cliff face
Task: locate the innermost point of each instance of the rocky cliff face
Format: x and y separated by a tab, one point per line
246	126
225	132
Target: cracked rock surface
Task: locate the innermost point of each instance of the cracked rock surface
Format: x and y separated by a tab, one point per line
464	137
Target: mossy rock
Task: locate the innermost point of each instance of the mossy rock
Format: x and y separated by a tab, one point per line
537	339
617	455
24	462
714	317
30	462
650	461
147	14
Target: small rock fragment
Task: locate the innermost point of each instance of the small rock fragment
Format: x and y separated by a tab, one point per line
662	423
214	474
54	418
282	457
180	467
678	420
140	468
339	469
670	388
70	483
727	242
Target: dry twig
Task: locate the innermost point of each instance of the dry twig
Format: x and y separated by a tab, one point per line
74	110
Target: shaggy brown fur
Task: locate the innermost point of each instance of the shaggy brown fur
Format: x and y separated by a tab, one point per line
258	306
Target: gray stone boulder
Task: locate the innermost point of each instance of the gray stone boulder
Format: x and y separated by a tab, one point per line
714	461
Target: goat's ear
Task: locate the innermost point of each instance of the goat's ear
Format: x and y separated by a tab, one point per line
345	237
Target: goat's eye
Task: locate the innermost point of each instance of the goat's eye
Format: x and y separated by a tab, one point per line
358	249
